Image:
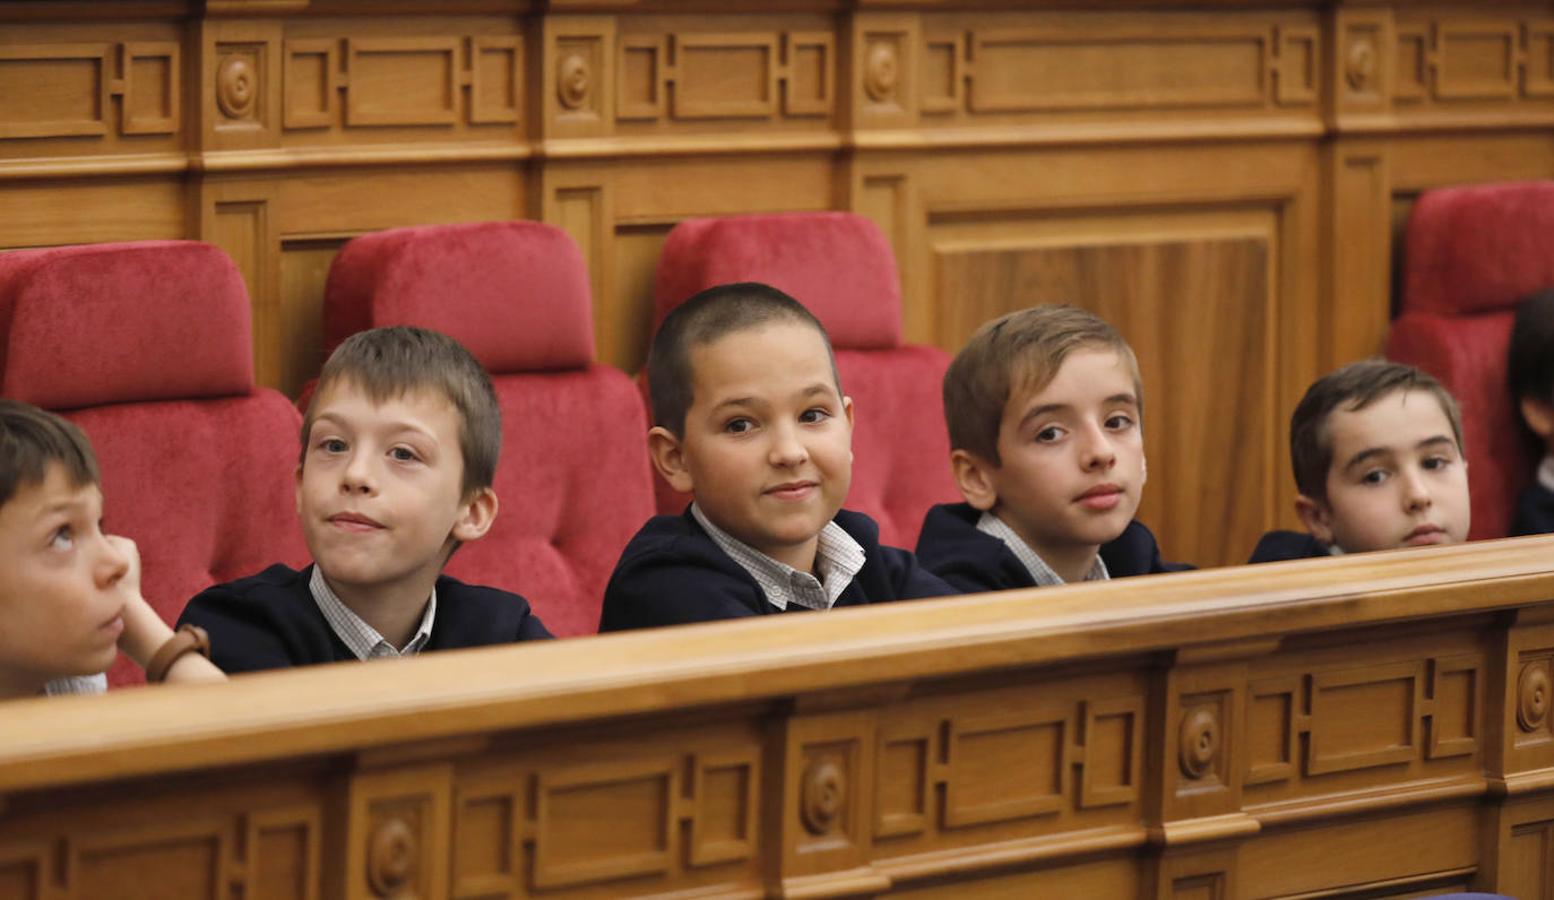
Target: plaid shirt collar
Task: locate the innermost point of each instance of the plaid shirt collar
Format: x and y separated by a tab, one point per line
838	558
360	638
1045	577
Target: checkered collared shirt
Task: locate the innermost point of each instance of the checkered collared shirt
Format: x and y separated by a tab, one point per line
1045	577
360	638
77	684
837	557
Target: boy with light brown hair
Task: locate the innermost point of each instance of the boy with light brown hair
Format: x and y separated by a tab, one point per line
399	451
1045	412
69	594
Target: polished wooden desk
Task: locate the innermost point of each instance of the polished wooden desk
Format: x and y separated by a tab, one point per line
1369	726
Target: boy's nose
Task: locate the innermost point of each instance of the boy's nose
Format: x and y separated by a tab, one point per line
1099	454
1416	494
787	449
356	477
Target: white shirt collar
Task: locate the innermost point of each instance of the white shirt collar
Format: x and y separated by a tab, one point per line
360	638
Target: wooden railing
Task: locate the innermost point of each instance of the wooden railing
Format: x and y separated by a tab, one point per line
1360	726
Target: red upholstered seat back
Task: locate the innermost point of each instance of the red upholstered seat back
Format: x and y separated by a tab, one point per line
146	346
573	481
1470	255
840	266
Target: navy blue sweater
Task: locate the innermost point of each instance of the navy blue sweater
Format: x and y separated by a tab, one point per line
270	621
672	572
1534	511
1276	546
951	547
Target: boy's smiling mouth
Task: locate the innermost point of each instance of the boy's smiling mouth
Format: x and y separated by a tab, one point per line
350	521
792	490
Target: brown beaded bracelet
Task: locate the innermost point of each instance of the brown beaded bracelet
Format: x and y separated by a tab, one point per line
187	639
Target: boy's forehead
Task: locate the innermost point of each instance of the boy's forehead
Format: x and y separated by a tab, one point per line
54	491
1398	420
350	399
1105	374
759	355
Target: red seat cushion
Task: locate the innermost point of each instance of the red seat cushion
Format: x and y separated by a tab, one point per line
840	267
1471	254
573	481
147	345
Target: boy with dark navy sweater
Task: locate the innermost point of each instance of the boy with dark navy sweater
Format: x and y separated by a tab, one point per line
750	419
1530	368
1377	452
399	450
1044	408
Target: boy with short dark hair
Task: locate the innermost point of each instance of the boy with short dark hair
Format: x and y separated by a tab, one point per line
70	595
1044	407
1377	452
750	419
399	451
1530	371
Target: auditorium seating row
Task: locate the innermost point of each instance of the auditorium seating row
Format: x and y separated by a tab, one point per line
148	347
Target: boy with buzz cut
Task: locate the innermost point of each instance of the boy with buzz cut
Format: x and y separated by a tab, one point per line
1377	452
70	595
399	451
1044	407
750	419
1530	370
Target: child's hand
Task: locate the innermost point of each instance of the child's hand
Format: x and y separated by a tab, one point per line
130	581
145	632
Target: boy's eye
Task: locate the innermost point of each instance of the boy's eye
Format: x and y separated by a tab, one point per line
738	426
1049	434
63	538
403	454
1433	463
814	415
1374	476
332	445
1119	422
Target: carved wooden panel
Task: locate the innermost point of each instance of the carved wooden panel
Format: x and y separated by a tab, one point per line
57	90
402	81
692	75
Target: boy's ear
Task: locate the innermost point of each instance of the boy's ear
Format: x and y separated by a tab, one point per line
669	458
1539	416
299	489
476	517
974	477
1317	518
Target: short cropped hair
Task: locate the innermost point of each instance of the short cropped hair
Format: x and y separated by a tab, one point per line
1530	362
706	317
1019	352
31	439
390	362
1352	388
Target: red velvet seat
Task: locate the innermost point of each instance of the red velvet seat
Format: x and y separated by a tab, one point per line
1471	253
573	481
146	346
840	266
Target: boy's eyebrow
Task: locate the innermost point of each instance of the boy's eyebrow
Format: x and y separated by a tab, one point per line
1045	408
1372	452
1365	455
393	426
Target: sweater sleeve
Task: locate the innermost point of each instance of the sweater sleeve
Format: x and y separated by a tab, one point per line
910	580
650	594
244	636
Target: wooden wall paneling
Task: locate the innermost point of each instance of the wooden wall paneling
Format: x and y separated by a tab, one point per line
580	201
52	212
577	76
240	218
883	190
883	69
